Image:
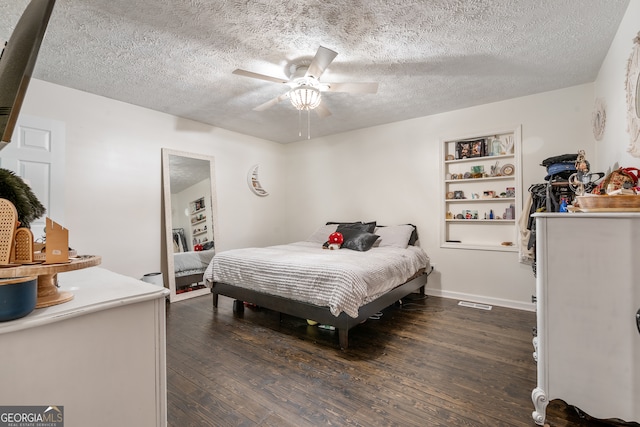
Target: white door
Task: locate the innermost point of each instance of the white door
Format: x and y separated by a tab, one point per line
36	154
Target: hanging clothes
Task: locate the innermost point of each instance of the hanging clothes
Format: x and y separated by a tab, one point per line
526	254
179	240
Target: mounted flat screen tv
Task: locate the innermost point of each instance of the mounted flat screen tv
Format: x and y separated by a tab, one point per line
17	62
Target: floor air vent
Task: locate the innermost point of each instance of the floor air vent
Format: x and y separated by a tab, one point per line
475	305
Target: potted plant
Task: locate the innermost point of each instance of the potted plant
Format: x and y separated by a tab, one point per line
18	192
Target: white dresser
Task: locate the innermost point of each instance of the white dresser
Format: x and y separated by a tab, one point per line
588	293
101	356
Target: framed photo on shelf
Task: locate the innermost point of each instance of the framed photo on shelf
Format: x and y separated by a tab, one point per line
470	149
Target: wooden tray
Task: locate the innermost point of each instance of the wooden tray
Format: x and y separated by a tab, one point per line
617	203
607	210
48	293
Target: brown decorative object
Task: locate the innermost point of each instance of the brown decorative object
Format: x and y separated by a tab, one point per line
507	170
57	243
8	225
24	246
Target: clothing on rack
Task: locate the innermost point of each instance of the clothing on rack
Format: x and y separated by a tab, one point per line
526	253
179	240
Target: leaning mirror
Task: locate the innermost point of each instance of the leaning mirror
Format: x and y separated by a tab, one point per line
632	85
190	220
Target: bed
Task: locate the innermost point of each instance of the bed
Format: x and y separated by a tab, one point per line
190	266
375	268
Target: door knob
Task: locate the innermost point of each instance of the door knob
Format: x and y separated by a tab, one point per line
638	320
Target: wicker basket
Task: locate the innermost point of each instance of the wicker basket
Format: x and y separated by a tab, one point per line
8	226
618	203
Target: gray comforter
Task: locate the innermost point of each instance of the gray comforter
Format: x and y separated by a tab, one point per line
342	280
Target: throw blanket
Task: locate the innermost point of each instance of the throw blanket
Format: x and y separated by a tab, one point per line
342	280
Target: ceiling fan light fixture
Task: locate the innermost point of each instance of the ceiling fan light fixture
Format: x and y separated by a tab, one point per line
305	97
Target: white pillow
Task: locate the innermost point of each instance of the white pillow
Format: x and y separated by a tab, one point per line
322	234
396	236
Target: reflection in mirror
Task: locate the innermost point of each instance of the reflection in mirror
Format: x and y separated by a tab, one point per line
638	97
190	220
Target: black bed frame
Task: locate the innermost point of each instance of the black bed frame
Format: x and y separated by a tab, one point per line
189	279
322	315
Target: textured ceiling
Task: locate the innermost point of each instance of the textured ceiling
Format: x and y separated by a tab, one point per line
185	172
177	56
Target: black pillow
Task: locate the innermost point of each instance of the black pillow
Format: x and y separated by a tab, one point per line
414	235
369	227
343	223
357	240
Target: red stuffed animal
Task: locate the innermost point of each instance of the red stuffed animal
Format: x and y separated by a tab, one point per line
335	240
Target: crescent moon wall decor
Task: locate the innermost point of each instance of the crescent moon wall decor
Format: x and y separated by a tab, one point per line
599	119
632	85
254	182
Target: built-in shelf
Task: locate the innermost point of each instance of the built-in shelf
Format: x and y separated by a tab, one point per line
489	178
476	185
495	199
200	222
475	159
492	221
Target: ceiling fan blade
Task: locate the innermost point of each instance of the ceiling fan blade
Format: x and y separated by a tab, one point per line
353	87
271	102
322	110
320	62
259	76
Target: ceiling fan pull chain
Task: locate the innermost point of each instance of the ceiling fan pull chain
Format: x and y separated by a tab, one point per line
308	124
299	122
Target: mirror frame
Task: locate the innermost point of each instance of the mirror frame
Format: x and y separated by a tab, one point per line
632	85
168	220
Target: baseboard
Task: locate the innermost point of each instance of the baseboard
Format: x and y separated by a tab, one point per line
518	305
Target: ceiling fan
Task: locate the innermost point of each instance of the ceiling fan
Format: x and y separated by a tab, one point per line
305	86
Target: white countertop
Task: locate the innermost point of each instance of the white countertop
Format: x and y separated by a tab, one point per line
94	289
570	215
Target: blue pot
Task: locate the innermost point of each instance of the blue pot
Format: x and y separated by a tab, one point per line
18	297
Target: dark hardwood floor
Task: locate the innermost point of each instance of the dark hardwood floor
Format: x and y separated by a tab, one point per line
426	363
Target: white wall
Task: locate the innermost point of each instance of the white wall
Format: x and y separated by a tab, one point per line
391	174
113	177
387	173
610	86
